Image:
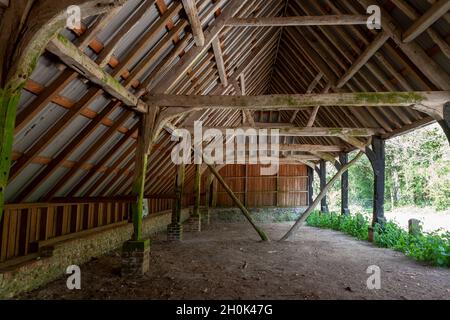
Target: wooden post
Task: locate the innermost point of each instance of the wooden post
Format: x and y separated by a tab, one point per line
197	190
310	186
376	156
246	186
445	123
343	159
208	197
208	191
214	193
179	189
175	229
244	210
144	146
323	184
8	104
322	194
136	252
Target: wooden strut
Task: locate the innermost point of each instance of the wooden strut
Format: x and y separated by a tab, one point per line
244	210
319	198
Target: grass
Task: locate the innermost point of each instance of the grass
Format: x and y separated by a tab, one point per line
432	248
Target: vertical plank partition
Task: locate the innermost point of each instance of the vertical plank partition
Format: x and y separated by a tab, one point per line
27	223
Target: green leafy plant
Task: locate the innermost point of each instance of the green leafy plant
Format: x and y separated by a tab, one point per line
432	248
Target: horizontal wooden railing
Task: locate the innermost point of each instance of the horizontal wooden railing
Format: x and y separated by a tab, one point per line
25	225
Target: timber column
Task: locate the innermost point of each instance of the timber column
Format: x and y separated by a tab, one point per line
377	158
323	184
194	223
175	229
343	159
136	252
207	214
310	186
445	123
8	104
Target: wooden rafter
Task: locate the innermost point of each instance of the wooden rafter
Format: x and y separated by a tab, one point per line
191	10
438	9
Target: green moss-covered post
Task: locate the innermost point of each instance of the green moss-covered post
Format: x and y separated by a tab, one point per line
175	229
8	103
343	159
136	252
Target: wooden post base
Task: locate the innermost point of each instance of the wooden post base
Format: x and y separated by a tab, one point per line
193	224
174	232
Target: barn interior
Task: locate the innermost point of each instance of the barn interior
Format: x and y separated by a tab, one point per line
93	109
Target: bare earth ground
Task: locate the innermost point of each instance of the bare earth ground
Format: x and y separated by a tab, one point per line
227	262
431	220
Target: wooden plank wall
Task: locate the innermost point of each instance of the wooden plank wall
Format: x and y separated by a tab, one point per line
288	188
28	223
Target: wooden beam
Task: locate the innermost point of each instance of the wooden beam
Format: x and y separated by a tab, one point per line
309	148
219	61
303	132
354	142
299	101
77	60
192	13
440	8
379	41
298	21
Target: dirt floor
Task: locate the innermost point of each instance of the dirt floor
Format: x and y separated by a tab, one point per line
227	262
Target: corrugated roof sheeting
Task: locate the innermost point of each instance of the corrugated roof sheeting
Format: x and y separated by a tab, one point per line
284	63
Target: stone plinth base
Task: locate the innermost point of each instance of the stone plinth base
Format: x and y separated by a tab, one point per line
193	224
135	258
174	232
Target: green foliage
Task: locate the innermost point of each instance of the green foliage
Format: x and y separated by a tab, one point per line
356	226
431	248
417	173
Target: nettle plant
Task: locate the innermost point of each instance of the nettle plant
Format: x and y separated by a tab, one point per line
432	248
